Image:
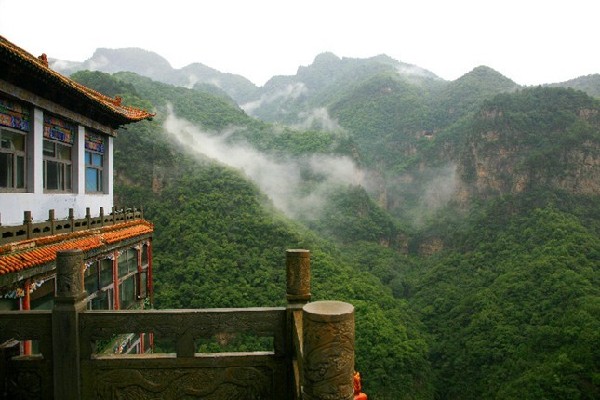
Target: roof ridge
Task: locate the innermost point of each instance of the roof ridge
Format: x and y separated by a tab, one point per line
133	114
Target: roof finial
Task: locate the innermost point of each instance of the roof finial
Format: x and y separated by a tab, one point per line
44	59
118	100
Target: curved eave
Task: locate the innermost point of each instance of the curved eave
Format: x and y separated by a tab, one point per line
22	69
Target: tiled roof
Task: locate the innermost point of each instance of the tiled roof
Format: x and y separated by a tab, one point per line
39	66
30	253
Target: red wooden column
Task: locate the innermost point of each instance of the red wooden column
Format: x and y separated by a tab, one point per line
26	306
116	280
150	287
138	252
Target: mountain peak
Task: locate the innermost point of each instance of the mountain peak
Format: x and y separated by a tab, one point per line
326	58
486	77
128	59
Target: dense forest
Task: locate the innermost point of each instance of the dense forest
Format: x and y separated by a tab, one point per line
466	233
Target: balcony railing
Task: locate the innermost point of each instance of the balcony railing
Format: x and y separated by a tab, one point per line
312	355
53	226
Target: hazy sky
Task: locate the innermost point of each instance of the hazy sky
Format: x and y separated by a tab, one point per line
529	41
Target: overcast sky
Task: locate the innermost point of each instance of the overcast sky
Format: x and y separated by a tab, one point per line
529	41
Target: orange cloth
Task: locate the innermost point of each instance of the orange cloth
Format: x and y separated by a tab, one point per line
358	395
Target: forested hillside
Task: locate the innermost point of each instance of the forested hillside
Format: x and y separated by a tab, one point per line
220	243
461	219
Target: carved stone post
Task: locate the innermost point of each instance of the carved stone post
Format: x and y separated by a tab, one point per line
69	301
328	349
298	294
52	220
72	219
88	218
298	276
28	221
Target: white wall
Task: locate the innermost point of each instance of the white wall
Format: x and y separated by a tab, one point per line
13	205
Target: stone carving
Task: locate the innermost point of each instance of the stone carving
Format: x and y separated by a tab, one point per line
69	273
24	385
328	332
249	383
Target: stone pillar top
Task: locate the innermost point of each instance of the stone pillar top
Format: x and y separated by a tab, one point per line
299	252
329	307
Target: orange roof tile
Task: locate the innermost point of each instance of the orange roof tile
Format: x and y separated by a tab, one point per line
44	249
39	65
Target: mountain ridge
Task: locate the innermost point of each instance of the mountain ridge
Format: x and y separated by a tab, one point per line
102	54
478	222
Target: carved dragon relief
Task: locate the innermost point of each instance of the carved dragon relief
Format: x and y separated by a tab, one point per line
24	385
335	353
250	383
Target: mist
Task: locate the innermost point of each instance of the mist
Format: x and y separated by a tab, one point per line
281	180
290	91
318	118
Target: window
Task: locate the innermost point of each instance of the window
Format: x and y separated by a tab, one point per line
58	168
58	144
12	160
8	304
94	163
142	284
144	255
127	293
14	125
128	262
106	273
102	301
43	297
90	278
93	172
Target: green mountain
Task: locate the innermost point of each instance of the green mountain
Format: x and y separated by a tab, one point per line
294	99
462	96
220	243
462	219
588	83
537	137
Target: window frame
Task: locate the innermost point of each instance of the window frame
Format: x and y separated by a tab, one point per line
15	154
98	169
65	174
95	146
59	132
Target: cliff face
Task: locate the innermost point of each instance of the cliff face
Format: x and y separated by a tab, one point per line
509	152
502	172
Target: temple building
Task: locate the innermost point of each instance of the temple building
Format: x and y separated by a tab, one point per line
56	191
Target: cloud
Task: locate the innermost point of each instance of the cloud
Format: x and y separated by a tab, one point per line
439	187
291	91
62	65
318	118
97	63
412	70
192	80
281	180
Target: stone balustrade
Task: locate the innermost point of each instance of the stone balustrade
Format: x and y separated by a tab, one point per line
312	355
